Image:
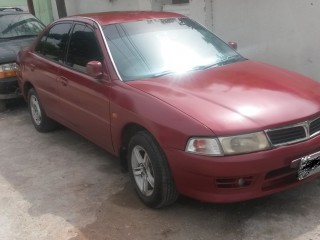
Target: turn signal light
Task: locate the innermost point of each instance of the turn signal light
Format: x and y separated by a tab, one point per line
8	70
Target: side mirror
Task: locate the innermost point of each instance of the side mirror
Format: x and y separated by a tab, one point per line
94	69
234	45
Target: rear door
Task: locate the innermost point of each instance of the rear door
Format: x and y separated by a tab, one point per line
47	58
85	100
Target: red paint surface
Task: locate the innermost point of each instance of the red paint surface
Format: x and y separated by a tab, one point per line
118	17
239	98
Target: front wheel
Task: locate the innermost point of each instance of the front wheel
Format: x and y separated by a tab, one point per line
39	118
150	171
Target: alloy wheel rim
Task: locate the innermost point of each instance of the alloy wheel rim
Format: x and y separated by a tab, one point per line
35	110
142	171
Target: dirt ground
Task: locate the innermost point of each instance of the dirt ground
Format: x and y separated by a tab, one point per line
60	186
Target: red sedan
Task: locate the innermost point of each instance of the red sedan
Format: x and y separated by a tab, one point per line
180	108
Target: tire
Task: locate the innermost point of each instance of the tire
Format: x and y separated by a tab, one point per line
38	116
2	106
150	172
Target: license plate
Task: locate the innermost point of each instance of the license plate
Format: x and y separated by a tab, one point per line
309	165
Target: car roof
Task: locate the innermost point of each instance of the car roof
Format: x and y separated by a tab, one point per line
13	12
105	18
11	8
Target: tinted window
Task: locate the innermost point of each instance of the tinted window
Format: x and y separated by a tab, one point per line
53	45
19	25
40	46
152	48
83	48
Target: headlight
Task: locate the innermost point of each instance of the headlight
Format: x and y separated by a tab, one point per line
204	146
232	145
244	143
8	70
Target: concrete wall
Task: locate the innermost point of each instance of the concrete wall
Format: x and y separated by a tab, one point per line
43	10
281	32
14	3
157	4
201	11
85	6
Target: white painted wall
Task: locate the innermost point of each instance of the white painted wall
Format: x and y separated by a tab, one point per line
183	9
281	32
157	5
85	6
78	6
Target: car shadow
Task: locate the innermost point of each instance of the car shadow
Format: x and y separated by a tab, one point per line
282	216
63	175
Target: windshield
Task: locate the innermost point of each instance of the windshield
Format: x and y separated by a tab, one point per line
19	25
156	47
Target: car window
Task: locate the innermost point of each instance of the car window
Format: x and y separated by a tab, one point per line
19	25
53	44
41	44
83	48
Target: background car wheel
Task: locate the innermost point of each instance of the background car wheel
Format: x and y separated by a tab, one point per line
39	118
150	172
2	105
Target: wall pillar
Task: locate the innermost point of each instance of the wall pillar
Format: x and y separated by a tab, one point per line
31	7
61	7
201	11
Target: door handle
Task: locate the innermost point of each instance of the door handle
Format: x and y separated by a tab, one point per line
32	67
63	81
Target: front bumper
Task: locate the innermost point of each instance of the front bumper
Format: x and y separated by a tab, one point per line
211	178
9	88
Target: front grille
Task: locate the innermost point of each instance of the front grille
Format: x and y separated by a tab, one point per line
8	87
287	135
315	126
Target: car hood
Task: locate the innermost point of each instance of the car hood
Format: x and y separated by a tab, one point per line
9	49
241	97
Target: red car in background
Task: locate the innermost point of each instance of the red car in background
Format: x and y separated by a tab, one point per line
181	109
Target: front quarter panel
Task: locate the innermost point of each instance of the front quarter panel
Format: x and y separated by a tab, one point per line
169	126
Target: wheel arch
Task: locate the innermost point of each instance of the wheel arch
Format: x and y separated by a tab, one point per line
128	131
26	87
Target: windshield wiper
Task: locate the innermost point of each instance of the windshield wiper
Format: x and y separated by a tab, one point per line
231	60
167	72
203	67
221	63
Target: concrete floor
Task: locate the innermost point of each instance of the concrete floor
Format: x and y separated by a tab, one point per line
60	186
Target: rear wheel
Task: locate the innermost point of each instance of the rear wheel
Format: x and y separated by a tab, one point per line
150	171
39	118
